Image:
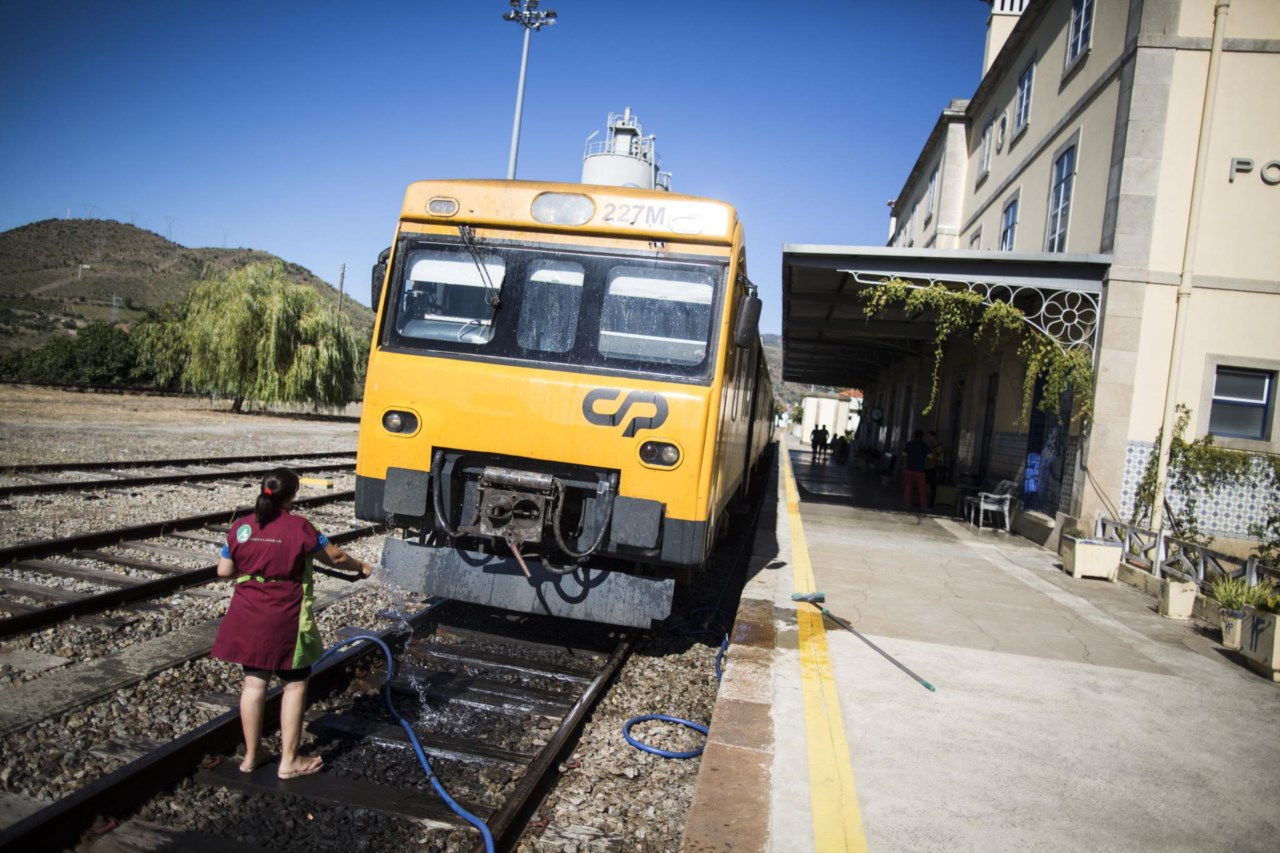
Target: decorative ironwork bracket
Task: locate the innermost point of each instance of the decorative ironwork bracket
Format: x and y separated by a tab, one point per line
1068	317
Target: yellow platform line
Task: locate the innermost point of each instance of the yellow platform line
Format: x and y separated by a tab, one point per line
837	819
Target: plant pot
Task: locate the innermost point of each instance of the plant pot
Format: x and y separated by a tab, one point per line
1232	622
1177	598
1260	642
1090	558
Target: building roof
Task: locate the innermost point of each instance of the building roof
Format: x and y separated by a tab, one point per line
827	338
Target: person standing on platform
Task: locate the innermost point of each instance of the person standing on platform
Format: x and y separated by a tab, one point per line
916	452
269	627
818	442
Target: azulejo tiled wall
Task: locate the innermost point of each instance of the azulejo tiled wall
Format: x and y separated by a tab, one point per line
1228	512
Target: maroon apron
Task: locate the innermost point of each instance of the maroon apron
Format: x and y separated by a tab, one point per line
269	624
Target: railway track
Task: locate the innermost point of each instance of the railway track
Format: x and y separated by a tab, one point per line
95	564
493	696
65	476
496	704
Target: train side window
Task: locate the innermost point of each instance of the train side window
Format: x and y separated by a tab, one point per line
656	315
446	298
550	305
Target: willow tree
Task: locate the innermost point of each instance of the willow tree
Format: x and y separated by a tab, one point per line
252	335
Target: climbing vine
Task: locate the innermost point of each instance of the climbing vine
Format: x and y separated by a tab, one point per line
1199	469
963	314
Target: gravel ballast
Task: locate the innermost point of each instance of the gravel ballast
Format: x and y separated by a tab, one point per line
610	796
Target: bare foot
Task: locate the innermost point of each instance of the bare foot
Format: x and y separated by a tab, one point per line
251	763
302	767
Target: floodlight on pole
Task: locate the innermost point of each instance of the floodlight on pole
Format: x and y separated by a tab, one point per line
526	14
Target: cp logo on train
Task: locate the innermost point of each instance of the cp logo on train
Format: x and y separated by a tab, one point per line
637	423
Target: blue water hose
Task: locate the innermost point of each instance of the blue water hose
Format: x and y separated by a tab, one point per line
693	753
413	738
644	747
724	647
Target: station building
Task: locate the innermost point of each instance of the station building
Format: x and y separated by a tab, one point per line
1116	154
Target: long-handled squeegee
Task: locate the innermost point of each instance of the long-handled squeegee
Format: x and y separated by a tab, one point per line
816	598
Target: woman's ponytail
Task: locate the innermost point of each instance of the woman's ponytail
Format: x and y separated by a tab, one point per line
278	488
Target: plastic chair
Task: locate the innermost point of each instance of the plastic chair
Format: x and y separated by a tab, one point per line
1000	501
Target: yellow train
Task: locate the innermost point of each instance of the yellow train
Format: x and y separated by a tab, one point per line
565	394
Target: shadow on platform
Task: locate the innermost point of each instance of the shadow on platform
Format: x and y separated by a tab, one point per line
830	482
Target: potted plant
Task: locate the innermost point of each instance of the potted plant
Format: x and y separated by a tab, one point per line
1083	557
1232	595
1260	641
1177	598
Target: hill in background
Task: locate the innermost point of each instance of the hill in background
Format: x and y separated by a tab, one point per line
786	393
60	274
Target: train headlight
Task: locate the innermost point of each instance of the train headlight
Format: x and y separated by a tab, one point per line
659	454
400	423
441	206
563	209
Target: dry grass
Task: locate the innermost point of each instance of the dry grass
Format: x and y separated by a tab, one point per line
43	425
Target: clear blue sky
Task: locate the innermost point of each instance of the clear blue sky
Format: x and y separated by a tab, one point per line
294	127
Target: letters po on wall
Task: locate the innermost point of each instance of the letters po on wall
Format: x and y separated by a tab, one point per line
1270	172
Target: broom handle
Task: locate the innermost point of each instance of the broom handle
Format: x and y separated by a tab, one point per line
843	624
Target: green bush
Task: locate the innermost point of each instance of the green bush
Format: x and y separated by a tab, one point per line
99	354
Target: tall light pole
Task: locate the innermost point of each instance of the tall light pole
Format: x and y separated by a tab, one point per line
527	15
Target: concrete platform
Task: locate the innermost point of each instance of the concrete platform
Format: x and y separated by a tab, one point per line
1067	714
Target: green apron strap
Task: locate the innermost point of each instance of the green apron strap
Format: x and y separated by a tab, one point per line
309	646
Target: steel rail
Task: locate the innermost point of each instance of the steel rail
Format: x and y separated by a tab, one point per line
158	479
507	824
61	824
55	467
44	617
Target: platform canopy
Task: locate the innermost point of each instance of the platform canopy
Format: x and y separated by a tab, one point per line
828	340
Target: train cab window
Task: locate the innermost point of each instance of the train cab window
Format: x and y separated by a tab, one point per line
656	315
550	306
448	296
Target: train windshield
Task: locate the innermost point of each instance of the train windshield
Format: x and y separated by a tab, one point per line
555	307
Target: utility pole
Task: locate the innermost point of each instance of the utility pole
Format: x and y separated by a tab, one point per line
1182	307
528	16
342	275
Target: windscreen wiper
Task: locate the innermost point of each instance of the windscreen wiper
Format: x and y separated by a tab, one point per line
490	292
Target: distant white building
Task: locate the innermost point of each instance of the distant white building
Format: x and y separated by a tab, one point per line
831	412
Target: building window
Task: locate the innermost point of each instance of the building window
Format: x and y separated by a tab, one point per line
1242	401
1009	225
933	191
1022	108
911	225
1064	170
975	240
1080	31
984	161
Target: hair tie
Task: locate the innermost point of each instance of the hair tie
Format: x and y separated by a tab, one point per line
266	490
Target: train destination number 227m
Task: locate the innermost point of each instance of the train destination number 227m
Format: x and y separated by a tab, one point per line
635	214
